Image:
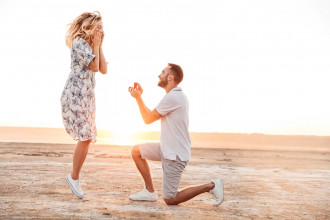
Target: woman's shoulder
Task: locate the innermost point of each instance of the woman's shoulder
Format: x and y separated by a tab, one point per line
78	41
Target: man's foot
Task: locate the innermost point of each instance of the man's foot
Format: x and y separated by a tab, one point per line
75	186
217	191
144	195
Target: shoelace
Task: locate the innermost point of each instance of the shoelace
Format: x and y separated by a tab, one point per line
78	185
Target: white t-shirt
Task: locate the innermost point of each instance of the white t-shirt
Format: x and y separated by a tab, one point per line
174	137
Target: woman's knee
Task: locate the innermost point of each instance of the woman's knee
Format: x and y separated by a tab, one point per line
85	143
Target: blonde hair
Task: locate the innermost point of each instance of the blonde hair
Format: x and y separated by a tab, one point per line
83	26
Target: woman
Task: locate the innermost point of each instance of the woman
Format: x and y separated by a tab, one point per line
85	38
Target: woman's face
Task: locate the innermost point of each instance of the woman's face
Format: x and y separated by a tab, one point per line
99	27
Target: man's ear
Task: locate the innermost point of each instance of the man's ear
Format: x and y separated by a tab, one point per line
170	77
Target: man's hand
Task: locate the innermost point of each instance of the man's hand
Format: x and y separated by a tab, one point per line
133	92
138	87
147	115
136	91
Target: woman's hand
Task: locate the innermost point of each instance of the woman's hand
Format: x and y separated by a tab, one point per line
103	62
97	38
102	37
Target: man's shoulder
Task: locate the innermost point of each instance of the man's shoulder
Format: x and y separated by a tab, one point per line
176	93
174	96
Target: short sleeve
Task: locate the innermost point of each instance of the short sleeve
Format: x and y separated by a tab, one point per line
83	52
167	105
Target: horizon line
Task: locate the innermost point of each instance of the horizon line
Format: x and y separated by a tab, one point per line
202	132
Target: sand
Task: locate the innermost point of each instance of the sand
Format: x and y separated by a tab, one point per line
259	184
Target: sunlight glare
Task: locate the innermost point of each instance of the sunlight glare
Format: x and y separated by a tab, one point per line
122	137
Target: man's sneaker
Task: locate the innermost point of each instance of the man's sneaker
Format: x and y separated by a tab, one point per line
75	186
217	191
144	195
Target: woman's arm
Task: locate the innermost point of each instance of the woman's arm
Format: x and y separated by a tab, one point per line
96	44
103	62
94	64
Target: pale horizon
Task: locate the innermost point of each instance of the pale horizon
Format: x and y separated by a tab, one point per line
130	135
198	139
250	67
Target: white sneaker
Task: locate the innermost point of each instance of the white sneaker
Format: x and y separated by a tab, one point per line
217	191
144	195
75	186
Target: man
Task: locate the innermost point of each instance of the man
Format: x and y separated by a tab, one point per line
174	147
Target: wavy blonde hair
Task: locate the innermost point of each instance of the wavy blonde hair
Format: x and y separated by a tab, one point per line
83	26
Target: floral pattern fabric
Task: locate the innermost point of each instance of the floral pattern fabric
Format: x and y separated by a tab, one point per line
78	97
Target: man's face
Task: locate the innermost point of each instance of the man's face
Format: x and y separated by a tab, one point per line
163	77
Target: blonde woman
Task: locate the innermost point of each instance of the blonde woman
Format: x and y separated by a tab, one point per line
85	38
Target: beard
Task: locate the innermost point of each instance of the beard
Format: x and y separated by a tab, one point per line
163	83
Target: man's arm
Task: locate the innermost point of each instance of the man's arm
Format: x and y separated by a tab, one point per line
147	115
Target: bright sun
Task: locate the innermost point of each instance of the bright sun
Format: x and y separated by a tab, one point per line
118	136
124	137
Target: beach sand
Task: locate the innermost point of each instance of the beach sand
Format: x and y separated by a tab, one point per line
258	183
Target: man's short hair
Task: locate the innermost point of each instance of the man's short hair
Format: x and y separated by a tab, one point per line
177	72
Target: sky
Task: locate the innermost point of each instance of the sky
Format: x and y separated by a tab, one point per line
249	66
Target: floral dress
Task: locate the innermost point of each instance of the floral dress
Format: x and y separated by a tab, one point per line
78	97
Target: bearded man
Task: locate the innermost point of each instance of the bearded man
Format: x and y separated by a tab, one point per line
173	150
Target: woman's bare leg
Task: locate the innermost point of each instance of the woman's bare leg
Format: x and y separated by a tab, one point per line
79	156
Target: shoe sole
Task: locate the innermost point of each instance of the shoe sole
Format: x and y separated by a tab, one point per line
145	200
72	189
217	203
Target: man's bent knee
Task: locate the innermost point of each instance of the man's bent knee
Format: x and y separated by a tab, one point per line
170	201
136	152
